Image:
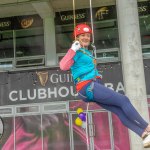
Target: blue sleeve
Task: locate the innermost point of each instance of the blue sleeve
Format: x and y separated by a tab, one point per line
76	57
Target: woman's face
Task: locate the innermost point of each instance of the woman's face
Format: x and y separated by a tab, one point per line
84	39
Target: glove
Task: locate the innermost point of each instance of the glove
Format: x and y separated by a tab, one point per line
76	46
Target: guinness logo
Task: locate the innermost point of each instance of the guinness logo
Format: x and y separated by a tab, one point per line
101	12
43	77
25	23
5	24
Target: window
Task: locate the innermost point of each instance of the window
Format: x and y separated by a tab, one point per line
6	49
105	29
144	21
29	47
21	42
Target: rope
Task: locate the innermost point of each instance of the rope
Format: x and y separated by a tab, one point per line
95	57
93	45
74	17
92	21
87	137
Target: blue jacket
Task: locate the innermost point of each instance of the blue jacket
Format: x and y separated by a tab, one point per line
83	67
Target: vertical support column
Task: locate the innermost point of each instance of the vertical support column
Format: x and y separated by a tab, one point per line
45	10
49	41
132	61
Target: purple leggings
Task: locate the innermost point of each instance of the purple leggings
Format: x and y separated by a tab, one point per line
116	103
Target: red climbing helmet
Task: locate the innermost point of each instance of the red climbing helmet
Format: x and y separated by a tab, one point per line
82	28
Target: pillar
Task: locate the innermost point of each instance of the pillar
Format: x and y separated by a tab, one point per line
45	10
132	62
49	41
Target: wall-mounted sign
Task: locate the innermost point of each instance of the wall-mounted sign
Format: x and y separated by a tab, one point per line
55	85
144	8
24	22
83	15
104	13
99	14
67	17
6	24
20	22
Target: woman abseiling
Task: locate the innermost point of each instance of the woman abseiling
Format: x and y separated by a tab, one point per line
87	79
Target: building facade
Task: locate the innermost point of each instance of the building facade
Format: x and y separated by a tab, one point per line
38	101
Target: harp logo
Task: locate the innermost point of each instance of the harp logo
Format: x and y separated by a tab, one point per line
43	77
101	13
25	23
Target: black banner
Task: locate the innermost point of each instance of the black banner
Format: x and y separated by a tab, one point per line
144	8
104	13
46	85
20	22
38	86
99	14
23	22
6	24
67	17
83	15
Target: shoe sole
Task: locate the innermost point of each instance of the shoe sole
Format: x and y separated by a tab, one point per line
147	145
